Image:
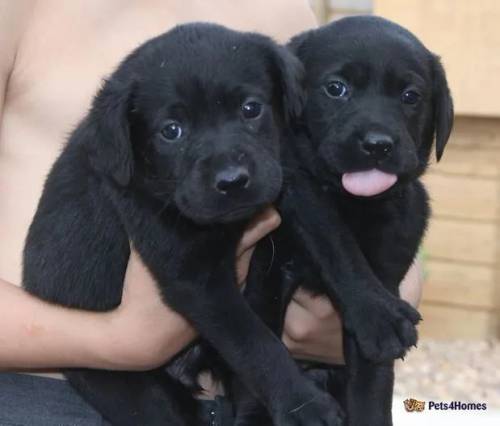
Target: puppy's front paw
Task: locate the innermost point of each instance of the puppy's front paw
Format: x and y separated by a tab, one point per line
320	410
384	327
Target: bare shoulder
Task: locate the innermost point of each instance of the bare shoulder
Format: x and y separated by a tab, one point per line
13	17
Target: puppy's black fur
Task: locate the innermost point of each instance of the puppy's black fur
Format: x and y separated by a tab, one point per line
180	147
368	82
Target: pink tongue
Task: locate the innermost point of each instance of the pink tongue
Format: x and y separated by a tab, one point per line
368	183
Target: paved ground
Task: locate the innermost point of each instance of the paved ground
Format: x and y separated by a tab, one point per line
450	371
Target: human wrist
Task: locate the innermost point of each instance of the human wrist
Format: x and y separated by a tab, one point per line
111	346
100	343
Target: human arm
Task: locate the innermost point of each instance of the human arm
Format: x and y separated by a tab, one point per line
35	334
140	334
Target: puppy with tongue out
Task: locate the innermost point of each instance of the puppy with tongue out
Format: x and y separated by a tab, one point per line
354	211
371	182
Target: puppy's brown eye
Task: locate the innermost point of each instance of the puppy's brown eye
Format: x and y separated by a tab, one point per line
336	89
172	131
410	97
251	109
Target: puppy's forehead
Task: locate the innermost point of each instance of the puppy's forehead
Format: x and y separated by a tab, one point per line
208	59
372	62
365	45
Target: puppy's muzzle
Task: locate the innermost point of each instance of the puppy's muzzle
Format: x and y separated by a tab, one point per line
378	146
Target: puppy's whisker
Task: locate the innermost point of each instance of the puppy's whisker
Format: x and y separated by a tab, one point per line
165	205
272	255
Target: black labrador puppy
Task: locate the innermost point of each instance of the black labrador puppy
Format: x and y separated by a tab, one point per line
353	209
179	149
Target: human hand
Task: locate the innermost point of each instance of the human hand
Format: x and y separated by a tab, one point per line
260	226
143	332
313	329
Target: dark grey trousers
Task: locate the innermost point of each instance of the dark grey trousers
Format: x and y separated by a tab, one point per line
40	401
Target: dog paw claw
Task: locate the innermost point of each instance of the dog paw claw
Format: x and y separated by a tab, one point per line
385	329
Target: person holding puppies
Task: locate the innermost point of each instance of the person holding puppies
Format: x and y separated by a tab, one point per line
54	58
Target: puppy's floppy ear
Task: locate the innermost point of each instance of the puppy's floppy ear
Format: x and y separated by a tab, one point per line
291	76
107	132
443	107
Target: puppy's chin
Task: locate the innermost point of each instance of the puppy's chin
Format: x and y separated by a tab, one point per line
203	211
236	215
204	216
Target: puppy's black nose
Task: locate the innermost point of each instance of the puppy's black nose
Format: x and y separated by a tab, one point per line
377	145
232	179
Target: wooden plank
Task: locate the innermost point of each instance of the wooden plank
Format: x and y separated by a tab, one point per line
469	162
476	133
462	241
463	197
465	33
442	322
459	284
474	148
